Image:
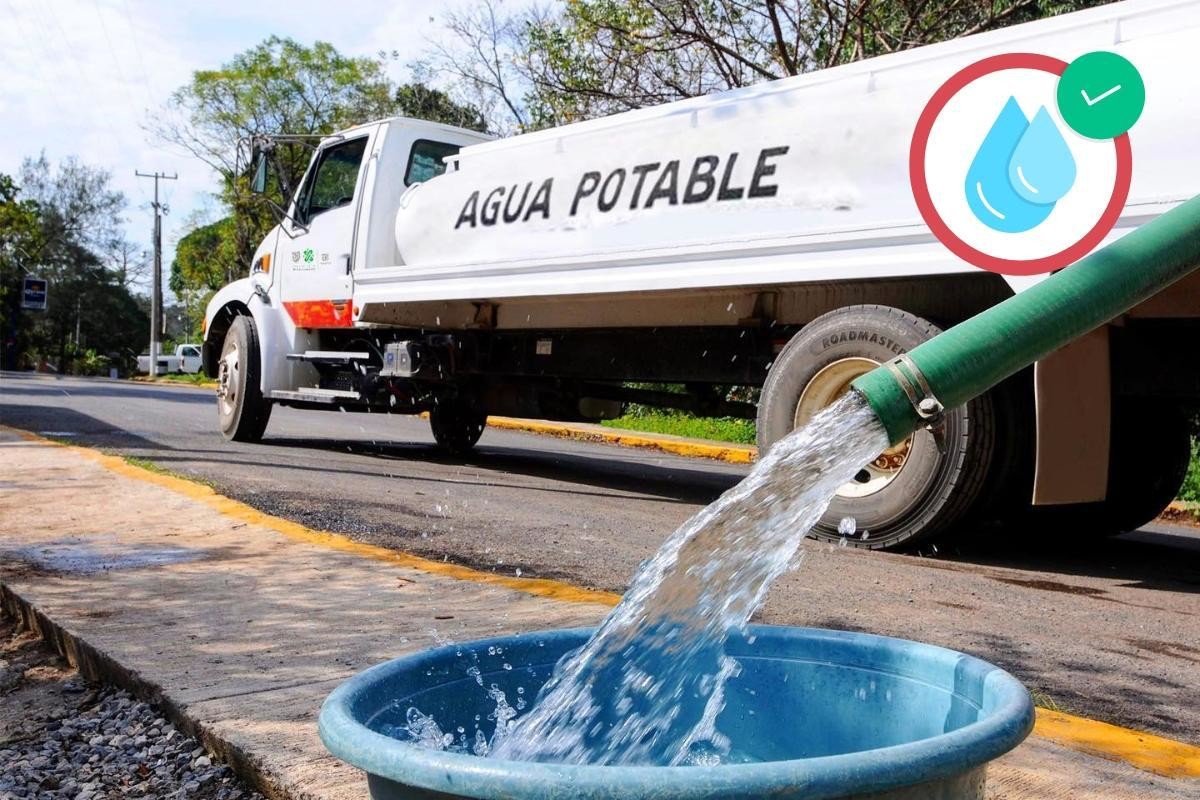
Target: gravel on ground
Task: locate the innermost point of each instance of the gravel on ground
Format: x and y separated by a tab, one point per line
62	736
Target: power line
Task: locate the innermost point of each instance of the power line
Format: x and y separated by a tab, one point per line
112	53
137	49
85	80
156	315
26	42
88	79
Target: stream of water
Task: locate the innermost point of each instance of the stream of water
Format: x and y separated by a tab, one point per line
617	699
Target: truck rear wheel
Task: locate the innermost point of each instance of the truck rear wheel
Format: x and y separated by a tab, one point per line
1147	467
457	425
911	492
1150	450
241	408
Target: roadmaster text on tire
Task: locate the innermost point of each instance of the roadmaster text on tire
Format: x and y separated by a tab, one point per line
456	425
242	410
912	492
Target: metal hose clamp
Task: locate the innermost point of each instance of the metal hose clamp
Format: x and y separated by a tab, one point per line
916	388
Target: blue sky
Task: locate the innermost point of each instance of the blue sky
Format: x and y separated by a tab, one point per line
80	77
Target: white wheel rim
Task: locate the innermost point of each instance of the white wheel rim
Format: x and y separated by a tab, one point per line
228	380
831	382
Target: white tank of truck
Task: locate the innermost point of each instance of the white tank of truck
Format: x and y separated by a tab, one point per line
802	179
766	237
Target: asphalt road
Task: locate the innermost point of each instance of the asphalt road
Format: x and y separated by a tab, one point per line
1109	629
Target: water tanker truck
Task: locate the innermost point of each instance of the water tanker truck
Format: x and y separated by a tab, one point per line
765	237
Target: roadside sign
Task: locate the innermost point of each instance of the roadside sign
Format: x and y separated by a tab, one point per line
33	296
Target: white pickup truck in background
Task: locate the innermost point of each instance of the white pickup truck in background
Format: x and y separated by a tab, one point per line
186	358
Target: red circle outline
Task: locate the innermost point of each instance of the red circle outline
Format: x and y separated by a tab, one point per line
916	171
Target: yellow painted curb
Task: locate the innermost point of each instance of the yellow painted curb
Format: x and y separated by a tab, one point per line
1145	751
1148	752
540	587
166	382
733	454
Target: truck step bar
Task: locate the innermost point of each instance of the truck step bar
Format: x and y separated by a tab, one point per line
329	356
313	394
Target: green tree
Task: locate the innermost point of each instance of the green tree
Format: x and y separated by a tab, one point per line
422	102
20	244
481	55
205	260
19	228
76	201
589	58
278	86
78	226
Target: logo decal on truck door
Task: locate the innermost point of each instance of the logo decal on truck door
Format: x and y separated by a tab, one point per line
303	260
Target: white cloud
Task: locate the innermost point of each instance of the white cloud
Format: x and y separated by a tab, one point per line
77	84
81	76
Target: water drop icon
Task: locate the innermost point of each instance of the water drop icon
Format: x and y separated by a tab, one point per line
1020	171
1041	169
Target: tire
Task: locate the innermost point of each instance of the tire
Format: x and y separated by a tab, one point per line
1149	451
242	410
1147	467
892	507
456	425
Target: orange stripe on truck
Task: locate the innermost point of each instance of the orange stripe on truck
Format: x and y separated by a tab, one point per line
320	313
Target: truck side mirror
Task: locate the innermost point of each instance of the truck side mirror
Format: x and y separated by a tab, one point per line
258	183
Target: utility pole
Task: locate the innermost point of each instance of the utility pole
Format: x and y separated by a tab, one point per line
156	310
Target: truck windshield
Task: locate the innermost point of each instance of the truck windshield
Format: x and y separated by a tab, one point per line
427	160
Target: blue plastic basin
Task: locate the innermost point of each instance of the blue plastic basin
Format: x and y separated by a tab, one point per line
820	714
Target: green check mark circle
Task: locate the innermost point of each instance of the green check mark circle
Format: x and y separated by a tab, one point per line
1101	95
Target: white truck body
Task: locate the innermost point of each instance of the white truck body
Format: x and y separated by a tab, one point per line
806	208
840	205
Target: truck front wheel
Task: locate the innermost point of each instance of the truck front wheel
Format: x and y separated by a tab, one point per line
911	492
456	425
242	410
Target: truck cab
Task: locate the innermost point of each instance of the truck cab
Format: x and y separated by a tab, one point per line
302	275
341	217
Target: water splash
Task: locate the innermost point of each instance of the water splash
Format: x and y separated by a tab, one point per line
423	730
617	700
620	699
1021	170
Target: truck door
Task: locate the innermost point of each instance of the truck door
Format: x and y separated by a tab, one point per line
315	260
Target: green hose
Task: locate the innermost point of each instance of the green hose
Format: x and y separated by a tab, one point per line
975	355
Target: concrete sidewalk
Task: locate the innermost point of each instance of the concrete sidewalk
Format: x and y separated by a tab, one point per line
239	624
